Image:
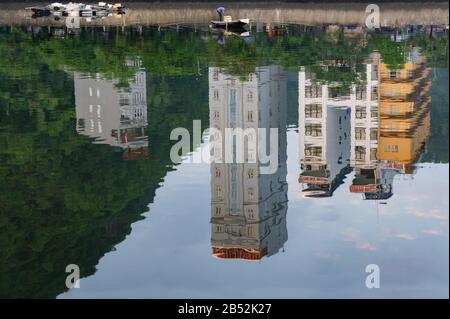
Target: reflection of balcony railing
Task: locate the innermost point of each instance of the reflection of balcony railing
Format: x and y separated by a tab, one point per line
371	188
312	180
136	153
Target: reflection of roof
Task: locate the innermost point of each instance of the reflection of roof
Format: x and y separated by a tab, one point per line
315	193
238	253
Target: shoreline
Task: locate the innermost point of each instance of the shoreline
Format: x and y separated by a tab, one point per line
151	13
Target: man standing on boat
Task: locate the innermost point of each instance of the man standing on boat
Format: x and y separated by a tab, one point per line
220	11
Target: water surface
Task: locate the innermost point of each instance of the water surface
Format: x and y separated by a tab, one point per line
87	178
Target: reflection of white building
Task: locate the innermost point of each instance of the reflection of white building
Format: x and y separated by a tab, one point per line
112	115
248	209
336	129
365	117
324	136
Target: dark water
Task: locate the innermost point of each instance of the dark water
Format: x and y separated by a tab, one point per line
87	179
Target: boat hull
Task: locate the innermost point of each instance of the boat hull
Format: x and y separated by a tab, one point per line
235	24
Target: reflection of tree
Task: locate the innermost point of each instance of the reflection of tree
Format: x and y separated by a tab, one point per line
392	53
65	200
434	48
184	52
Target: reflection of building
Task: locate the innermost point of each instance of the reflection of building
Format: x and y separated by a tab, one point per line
328	117
403	127
248	209
404	114
112	115
381	136
365	117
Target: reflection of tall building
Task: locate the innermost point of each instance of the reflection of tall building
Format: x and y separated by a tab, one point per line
403	127
369	178
405	116
248	209
113	115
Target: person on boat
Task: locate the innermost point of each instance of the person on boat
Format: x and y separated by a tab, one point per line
220	11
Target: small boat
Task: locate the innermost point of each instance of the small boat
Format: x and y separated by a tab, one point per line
230	24
40	11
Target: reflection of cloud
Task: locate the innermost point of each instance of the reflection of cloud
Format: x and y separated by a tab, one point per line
353	235
432	213
328	256
365	245
406	236
433	231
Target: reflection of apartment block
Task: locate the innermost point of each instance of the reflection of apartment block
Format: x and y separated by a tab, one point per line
248	209
404	110
325	133
112	115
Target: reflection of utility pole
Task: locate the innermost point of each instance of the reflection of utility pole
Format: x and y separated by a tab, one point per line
378	212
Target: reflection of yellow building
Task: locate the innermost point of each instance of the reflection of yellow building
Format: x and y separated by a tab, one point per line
404	110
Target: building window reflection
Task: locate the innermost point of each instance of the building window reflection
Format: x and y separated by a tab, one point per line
313	111
360	152
360	133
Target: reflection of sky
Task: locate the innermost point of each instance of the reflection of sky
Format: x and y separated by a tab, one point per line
330	241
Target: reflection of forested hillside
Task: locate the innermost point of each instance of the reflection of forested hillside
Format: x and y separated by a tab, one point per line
63	199
437	146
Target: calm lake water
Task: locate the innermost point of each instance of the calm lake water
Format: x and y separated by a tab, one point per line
361	162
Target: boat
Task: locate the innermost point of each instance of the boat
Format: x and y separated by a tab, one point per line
40	11
230	24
